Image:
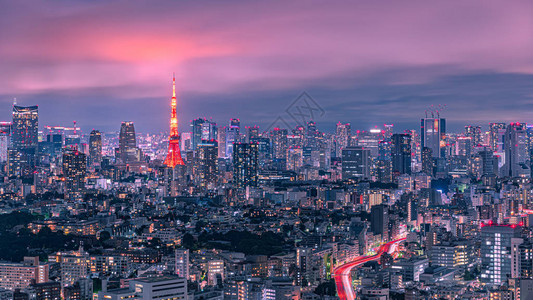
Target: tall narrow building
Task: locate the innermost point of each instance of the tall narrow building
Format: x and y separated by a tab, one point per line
245	165
95	148
25	126
174	152
401	153
74	171
127	143
433	133
24	137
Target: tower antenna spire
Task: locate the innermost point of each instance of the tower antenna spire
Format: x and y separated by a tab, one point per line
174	84
174	155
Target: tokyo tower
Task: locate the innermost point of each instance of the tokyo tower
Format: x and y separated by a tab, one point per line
174	154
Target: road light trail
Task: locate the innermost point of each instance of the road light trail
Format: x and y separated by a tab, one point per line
343	276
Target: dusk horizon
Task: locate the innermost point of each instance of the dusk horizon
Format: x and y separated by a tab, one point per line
94	62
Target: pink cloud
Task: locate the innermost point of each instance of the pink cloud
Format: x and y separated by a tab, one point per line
61	46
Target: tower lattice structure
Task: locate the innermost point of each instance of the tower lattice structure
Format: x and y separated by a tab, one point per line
174	153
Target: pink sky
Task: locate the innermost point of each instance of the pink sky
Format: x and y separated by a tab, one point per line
128	49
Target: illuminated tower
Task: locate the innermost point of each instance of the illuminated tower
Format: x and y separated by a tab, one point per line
174	155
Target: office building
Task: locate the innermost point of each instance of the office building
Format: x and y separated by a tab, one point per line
379	220
245	165
516	151
496	253
207	157
74	172
25	127
356	163
127	144
95	148
343	136
233	135
433	134
401	153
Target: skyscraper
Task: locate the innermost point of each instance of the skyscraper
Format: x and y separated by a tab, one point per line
127	143
5	140
25	128
174	152
474	133
245	165
496	133
516	151
383	163
355	163
207	156
496	253
343	136
379	220
221	138
74	171
202	130
279	146
252	133
401	153
95	148
427	161
233	135
433	134
24	141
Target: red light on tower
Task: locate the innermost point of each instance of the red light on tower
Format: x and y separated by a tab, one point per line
174	153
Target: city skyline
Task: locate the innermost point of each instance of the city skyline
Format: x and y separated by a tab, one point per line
383	71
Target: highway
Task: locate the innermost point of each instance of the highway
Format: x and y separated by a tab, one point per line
343	273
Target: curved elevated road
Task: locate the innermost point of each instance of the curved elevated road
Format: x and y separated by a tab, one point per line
343	277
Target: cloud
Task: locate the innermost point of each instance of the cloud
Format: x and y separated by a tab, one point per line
235	52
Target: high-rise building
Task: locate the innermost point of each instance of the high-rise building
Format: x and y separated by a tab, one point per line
182	263
516	151
25	128
427	161
383	163
174	152
5	140
55	138
379	220
221	139
95	148
496	253
497	130
252	133
279	146
127	143
233	135
356	163
24	141
207	157
463	146
245	165
401	153
474	133
433	134
202	130
343	136
74	171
